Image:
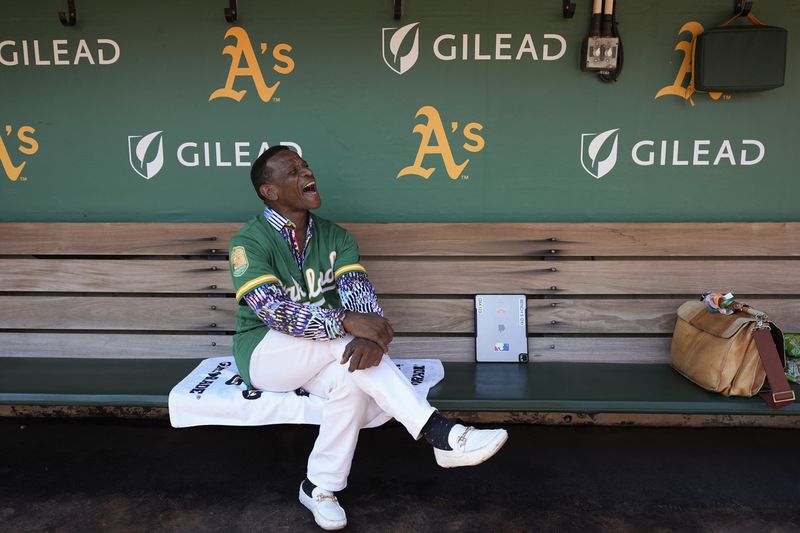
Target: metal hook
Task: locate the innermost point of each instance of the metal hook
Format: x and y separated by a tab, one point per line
398	9
568	9
69	18
742	7
232	12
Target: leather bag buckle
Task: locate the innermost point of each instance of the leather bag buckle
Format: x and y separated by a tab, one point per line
788	396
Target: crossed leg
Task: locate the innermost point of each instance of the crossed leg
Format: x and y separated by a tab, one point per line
285	363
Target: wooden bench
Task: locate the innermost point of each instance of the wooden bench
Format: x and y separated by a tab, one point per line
103	318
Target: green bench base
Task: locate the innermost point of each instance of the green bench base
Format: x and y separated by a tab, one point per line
589	388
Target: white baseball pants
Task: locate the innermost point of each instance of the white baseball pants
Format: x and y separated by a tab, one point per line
283	363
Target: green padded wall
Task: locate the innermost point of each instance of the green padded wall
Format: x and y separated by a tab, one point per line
136	114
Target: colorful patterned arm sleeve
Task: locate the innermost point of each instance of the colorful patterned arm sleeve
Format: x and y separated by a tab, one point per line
271	304
357	293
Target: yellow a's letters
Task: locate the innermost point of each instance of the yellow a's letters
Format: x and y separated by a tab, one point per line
11	171
33	144
677	88
243	47
474	137
434	128
285	59
29	147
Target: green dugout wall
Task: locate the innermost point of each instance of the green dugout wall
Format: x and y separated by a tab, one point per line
463	110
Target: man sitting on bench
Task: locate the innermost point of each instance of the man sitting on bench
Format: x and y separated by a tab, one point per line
309	318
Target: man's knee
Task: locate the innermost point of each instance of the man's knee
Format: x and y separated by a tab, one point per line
344	386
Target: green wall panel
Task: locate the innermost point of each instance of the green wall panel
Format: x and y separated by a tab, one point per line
353	116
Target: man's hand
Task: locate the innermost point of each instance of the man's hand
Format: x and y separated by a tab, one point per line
371	327
361	353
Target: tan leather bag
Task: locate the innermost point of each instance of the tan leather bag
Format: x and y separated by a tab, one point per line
723	353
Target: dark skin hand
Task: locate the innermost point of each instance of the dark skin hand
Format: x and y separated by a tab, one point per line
362	354
370	326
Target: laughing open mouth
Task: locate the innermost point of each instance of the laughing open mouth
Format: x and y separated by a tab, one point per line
310	187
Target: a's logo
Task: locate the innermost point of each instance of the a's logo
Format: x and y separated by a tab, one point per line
683	85
599	152
27	146
401	47
146	153
434	142
244	64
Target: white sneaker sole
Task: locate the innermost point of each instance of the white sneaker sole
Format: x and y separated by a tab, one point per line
327	525
475	457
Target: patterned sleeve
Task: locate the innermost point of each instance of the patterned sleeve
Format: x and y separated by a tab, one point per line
271	304
357	293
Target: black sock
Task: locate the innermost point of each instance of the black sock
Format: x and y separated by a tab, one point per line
436	431
308	487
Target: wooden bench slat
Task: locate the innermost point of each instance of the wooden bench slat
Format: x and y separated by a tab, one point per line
599	349
152	346
149	346
114	238
117	313
723	239
428	315
424	315
113	346
646	316
116	275
587	316
402	276
543	349
611	277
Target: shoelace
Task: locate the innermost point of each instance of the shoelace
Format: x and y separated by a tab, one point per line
462	440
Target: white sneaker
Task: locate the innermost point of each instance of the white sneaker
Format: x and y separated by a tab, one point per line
328	514
470	446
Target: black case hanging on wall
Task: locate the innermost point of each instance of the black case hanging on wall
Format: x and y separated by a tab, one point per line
740	58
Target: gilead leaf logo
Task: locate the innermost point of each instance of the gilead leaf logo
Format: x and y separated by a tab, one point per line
401	47
146	156
599	152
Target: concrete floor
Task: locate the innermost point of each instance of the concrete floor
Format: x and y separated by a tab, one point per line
86	476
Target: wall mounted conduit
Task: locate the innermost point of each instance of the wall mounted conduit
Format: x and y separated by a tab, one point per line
70	18
232	12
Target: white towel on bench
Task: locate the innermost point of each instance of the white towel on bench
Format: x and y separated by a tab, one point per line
214	394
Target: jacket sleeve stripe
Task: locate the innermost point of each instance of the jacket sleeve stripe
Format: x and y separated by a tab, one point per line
253	283
355	267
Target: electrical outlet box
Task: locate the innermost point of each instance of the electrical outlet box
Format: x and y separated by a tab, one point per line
600	53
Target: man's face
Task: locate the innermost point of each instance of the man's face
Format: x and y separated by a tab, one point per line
293	186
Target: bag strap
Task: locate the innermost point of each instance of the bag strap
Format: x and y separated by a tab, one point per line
752	18
781	394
